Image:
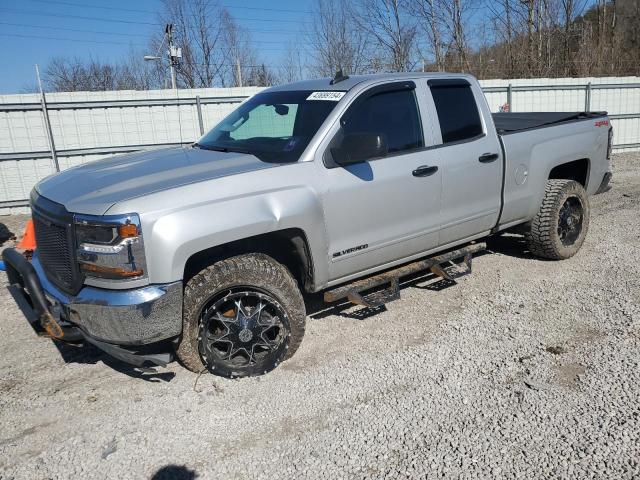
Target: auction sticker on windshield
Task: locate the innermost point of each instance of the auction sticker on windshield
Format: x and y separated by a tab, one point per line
331	96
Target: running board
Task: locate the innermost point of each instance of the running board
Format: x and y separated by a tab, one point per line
354	291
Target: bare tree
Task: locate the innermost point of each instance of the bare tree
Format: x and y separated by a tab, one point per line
73	74
136	74
335	40
261	76
548	34
292	68
623	22
502	17
65	75
237	51
570	9
531	56
429	13
199	33
392	29
455	14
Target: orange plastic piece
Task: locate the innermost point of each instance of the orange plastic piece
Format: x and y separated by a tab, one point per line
28	241
127	231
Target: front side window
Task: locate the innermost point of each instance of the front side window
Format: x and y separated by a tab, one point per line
392	115
273	126
457	112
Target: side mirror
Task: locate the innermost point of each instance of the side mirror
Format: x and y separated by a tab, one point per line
358	147
281	109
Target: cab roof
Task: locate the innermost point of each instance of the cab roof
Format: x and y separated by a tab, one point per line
324	84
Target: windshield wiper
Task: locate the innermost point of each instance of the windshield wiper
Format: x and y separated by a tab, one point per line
217	148
205	147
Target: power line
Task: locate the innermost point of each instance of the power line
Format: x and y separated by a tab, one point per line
42	37
98	19
129	22
101	7
26	25
101	32
107	42
79	17
137	10
268	9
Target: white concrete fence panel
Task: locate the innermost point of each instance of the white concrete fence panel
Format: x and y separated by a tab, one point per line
86	126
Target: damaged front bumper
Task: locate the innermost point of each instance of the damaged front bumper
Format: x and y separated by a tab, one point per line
116	321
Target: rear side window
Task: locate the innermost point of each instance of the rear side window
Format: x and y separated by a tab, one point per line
393	115
457	112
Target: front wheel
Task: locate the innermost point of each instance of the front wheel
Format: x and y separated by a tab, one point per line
560	226
243	316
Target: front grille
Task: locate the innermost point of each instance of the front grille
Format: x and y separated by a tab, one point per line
55	244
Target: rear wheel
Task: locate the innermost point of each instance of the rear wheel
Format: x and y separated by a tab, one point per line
560	226
243	316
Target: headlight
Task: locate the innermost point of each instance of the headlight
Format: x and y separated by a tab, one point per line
110	247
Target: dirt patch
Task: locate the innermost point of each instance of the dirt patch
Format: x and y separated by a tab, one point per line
568	375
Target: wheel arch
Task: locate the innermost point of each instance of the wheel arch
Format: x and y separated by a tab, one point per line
578	170
289	247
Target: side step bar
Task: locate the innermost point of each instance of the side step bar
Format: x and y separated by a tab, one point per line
354	291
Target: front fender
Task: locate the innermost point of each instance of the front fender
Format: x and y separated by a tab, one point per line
174	237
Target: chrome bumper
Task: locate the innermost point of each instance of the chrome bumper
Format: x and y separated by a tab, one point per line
123	317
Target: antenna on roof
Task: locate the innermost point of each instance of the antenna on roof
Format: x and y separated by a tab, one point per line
339	77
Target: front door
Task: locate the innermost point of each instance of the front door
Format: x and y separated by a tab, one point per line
387	208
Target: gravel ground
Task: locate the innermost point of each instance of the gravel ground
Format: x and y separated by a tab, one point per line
525	369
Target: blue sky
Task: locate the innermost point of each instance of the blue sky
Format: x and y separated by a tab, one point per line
34	31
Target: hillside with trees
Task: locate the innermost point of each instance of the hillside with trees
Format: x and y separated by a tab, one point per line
490	39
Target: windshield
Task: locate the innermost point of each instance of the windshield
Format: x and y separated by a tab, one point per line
273	126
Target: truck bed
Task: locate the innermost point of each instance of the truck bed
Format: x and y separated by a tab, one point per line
516	122
535	143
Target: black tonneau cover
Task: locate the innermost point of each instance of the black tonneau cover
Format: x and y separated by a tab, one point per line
518	121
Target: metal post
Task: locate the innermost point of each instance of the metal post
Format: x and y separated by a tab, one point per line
587	98
172	57
510	98
238	73
199	108
47	123
173	76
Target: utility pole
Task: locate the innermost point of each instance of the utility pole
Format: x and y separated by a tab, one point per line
174	54
238	72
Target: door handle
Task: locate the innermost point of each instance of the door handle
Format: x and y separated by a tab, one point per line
488	157
424	171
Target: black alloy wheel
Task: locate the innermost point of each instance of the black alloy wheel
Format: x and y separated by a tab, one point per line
243	327
570	220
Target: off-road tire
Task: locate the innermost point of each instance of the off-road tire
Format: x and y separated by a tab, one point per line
542	234
253	271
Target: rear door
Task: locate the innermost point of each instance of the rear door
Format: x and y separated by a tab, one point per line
388	208
471	160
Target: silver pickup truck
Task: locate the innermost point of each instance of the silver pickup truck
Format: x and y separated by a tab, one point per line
305	187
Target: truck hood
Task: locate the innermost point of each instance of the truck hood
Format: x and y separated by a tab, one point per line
94	187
